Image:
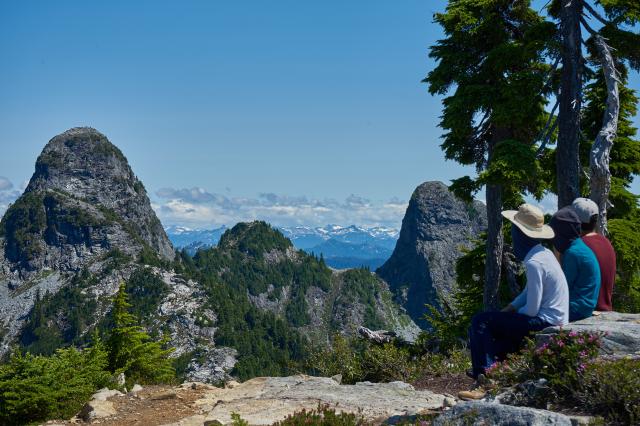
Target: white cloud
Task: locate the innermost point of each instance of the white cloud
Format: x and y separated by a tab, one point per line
198	208
548	204
7	194
5	184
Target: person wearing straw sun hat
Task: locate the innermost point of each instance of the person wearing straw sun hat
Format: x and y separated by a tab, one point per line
544	301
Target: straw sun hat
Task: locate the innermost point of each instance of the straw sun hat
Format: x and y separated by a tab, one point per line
530	220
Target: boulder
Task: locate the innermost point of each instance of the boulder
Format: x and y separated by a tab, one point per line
476	413
622	332
105	393
96	409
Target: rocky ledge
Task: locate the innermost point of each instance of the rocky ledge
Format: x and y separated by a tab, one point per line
265	400
621	332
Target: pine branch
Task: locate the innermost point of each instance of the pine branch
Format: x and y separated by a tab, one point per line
587	27
547	138
595	14
554	67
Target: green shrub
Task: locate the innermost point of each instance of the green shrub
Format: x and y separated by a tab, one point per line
341	358
612	389
561	361
236	420
359	360
37	388
388	363
322	416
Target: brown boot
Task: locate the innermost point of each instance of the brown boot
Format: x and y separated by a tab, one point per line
471	395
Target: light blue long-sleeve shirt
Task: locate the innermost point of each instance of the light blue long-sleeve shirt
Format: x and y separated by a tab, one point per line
546	294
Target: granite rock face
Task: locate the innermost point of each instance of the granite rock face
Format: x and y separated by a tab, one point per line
84	213
621	332
266	400
435	227
476	413
83	194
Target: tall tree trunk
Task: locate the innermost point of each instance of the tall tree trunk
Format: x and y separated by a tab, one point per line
495	241
600	183
567	152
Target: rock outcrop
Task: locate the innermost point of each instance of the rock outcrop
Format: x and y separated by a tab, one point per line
85	224
83	200
435	227
266	400
621	332
477	413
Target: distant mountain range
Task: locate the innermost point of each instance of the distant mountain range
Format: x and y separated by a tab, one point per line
341	246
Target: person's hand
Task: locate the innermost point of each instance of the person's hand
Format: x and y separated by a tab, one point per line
509	308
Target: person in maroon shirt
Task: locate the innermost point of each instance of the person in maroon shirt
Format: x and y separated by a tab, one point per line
587	211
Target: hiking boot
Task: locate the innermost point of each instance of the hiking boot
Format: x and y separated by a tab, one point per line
472	395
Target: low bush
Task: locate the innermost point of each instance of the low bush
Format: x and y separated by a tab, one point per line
359	360
561	361
322	416
576	376
612	389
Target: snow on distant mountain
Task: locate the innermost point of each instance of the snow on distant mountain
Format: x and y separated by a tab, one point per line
182	237
341	246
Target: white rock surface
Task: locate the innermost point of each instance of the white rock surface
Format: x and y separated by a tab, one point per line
622	332
265	400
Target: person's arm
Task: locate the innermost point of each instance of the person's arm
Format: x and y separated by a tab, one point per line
534	290
509	308
518	302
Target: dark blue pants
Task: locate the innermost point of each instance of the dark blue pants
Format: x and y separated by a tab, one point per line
493	335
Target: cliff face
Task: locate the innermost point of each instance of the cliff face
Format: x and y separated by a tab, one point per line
84	225
83	200
435	227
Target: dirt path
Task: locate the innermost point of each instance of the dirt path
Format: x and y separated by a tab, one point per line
152	406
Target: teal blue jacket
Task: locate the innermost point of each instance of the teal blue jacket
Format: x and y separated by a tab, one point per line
582	271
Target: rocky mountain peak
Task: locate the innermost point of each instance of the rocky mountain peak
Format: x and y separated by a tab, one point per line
82	200
255	239
437	224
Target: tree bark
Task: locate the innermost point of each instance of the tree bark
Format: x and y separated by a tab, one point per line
600	181
495	241
567	152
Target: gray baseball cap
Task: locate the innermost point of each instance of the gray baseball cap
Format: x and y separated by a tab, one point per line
585	208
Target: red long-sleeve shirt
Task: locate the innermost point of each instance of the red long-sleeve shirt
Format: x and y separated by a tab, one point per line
606	256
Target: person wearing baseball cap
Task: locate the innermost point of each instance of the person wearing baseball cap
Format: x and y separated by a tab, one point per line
578	262
587	211
544	301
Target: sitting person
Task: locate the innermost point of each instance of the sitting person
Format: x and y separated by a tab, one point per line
544	301
587	211
579	264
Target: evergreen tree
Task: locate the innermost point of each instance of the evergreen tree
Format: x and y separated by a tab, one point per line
131	350
492	59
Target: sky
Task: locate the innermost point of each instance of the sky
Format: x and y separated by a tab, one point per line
295	112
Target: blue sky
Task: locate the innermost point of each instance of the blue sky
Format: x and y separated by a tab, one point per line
290	111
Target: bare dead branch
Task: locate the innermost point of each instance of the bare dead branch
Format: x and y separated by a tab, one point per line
600	182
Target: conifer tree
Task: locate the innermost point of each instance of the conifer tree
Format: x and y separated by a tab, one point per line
131	350
491	67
